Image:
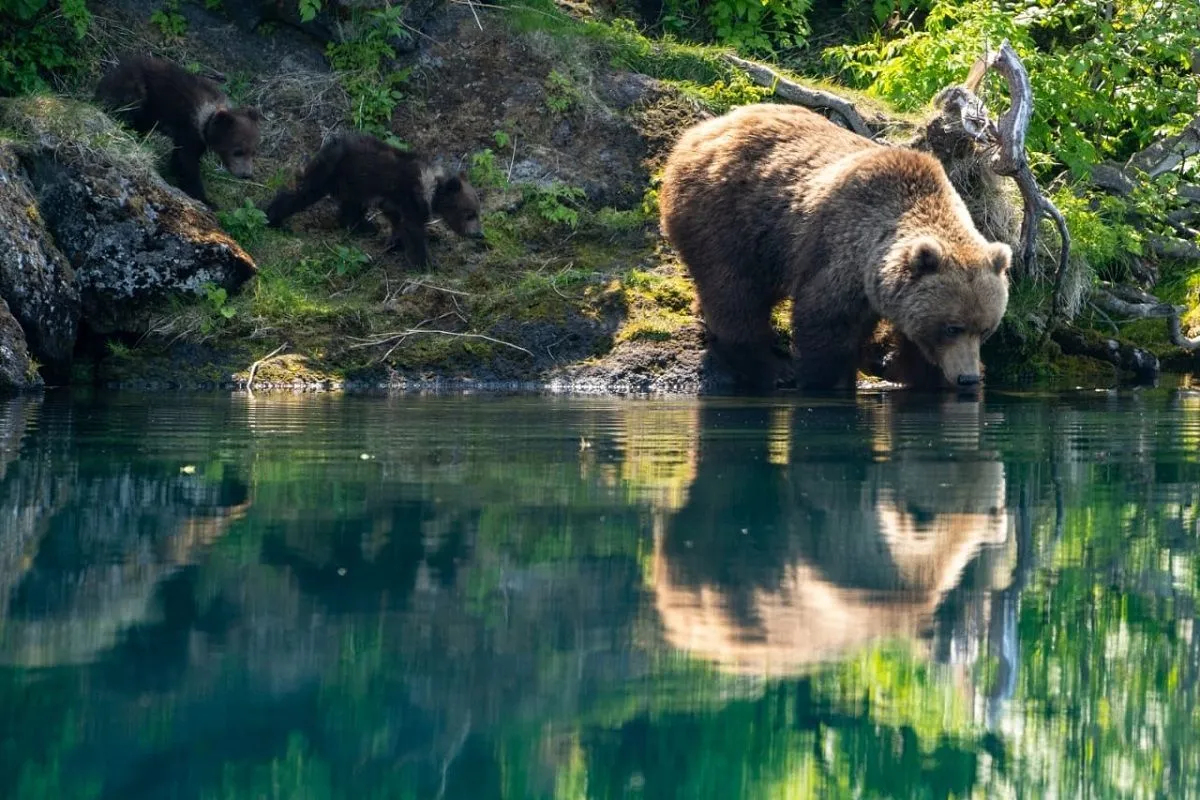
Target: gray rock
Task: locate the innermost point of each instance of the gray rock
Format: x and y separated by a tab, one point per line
131	240
35	278
15	371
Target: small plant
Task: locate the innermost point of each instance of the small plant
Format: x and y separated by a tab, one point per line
212	5
374	91
244	223
170	22
348	259
556	204
561	92
309	10
117	348
484	171
217	299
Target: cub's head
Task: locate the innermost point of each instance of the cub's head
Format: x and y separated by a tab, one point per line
949	300
457	202
233	136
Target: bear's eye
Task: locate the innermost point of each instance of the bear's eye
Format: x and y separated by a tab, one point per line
953	331
239	153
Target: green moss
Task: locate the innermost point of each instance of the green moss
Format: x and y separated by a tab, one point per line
657	304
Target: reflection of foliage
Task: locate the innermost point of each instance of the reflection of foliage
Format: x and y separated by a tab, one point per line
514	678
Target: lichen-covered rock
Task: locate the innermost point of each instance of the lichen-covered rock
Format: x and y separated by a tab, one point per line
16	370
132	240
35	279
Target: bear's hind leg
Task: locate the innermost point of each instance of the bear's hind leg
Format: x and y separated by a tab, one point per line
827	343
352	216
743	340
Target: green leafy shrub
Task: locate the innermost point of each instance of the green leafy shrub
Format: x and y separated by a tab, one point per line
171	24
1106	85
37	38
557	204
757	26
244	223
362	60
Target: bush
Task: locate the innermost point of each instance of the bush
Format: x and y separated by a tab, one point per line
38	37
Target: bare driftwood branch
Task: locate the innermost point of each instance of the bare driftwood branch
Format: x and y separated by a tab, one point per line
1136	304
399	336
254	367
802	95
1010	160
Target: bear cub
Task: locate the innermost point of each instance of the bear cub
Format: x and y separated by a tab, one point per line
770	202
358	170
151	93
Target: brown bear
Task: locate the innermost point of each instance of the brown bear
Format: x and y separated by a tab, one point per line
771	201
358	170
150	93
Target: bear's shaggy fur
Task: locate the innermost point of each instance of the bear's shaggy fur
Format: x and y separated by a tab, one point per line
153	94
358	170
771	201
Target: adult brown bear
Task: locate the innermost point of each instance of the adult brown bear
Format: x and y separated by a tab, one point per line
771	201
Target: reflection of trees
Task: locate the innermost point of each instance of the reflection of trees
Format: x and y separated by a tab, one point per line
452	615
94	541
771	567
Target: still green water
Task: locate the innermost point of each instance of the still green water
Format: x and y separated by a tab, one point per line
516	597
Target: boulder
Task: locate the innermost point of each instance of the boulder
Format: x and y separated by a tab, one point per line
36	280
102	240
16	370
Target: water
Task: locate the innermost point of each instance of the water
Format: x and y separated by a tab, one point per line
485	597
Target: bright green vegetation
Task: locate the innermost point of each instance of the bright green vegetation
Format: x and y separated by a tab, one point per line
340	597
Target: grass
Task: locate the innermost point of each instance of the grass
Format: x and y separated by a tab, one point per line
77	129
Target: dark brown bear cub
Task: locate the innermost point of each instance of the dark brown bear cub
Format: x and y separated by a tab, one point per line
358	170
153	94
770	201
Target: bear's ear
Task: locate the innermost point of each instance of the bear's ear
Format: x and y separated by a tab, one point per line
924	256
453	184
220	123
462	175
253	114
1001	257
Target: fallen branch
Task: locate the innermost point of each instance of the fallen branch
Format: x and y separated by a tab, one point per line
1167	154
254	367
1136	304
795	93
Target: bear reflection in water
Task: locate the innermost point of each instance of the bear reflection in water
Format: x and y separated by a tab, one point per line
773	568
